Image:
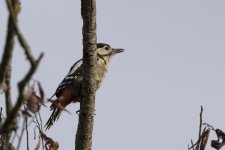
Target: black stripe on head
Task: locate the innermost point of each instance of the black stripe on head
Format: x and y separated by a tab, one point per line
100	45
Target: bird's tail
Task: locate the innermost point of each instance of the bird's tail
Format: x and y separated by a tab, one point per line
54	116
58	106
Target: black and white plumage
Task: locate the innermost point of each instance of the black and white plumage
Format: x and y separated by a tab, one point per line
69	90
74	74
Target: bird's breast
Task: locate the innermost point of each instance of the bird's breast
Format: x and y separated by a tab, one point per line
101	71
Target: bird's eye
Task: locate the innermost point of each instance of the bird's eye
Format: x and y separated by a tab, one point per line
106	48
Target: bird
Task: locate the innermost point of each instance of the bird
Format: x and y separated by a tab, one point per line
69	90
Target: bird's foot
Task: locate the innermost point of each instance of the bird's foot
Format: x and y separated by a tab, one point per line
78	111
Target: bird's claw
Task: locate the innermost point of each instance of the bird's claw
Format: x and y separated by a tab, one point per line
78	111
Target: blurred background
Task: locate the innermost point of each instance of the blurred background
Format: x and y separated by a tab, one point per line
174	62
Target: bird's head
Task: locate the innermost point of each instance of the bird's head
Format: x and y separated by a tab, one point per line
105	51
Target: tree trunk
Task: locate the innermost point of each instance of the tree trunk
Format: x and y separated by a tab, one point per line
87	105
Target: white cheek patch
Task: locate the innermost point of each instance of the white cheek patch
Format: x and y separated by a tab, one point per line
103	52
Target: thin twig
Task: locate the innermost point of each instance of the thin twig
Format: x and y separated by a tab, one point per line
42	141
26	126
208	125
197	144
14	136
40	119
21	135
200	128
192	144
15	132
0	114
38	124
200	125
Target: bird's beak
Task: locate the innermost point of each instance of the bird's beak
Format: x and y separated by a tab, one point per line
117	50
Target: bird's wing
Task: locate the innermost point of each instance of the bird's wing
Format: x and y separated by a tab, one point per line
74	73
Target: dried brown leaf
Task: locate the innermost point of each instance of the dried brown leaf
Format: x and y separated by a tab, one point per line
220	134
28	92
33	103
11	147
25	112
38	144
204	139
3	87
217	145
54	146
49	143
41	91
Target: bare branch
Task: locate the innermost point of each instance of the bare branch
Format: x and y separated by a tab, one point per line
26	127
8	50
21	134
15	132
41	127
6	66
200	128
25	80
192	144
21	86
21	38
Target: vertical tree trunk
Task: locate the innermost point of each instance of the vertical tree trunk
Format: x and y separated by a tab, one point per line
86	116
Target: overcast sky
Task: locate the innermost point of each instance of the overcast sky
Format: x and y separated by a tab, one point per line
174	62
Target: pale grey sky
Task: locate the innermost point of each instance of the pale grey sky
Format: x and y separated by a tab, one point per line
174	62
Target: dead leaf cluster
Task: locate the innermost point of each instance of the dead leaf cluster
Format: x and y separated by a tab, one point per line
203	139
32	100
50	144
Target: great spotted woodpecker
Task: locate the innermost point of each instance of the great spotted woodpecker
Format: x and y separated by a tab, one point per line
69	90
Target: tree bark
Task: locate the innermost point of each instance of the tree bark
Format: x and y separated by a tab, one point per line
6	67
87	104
